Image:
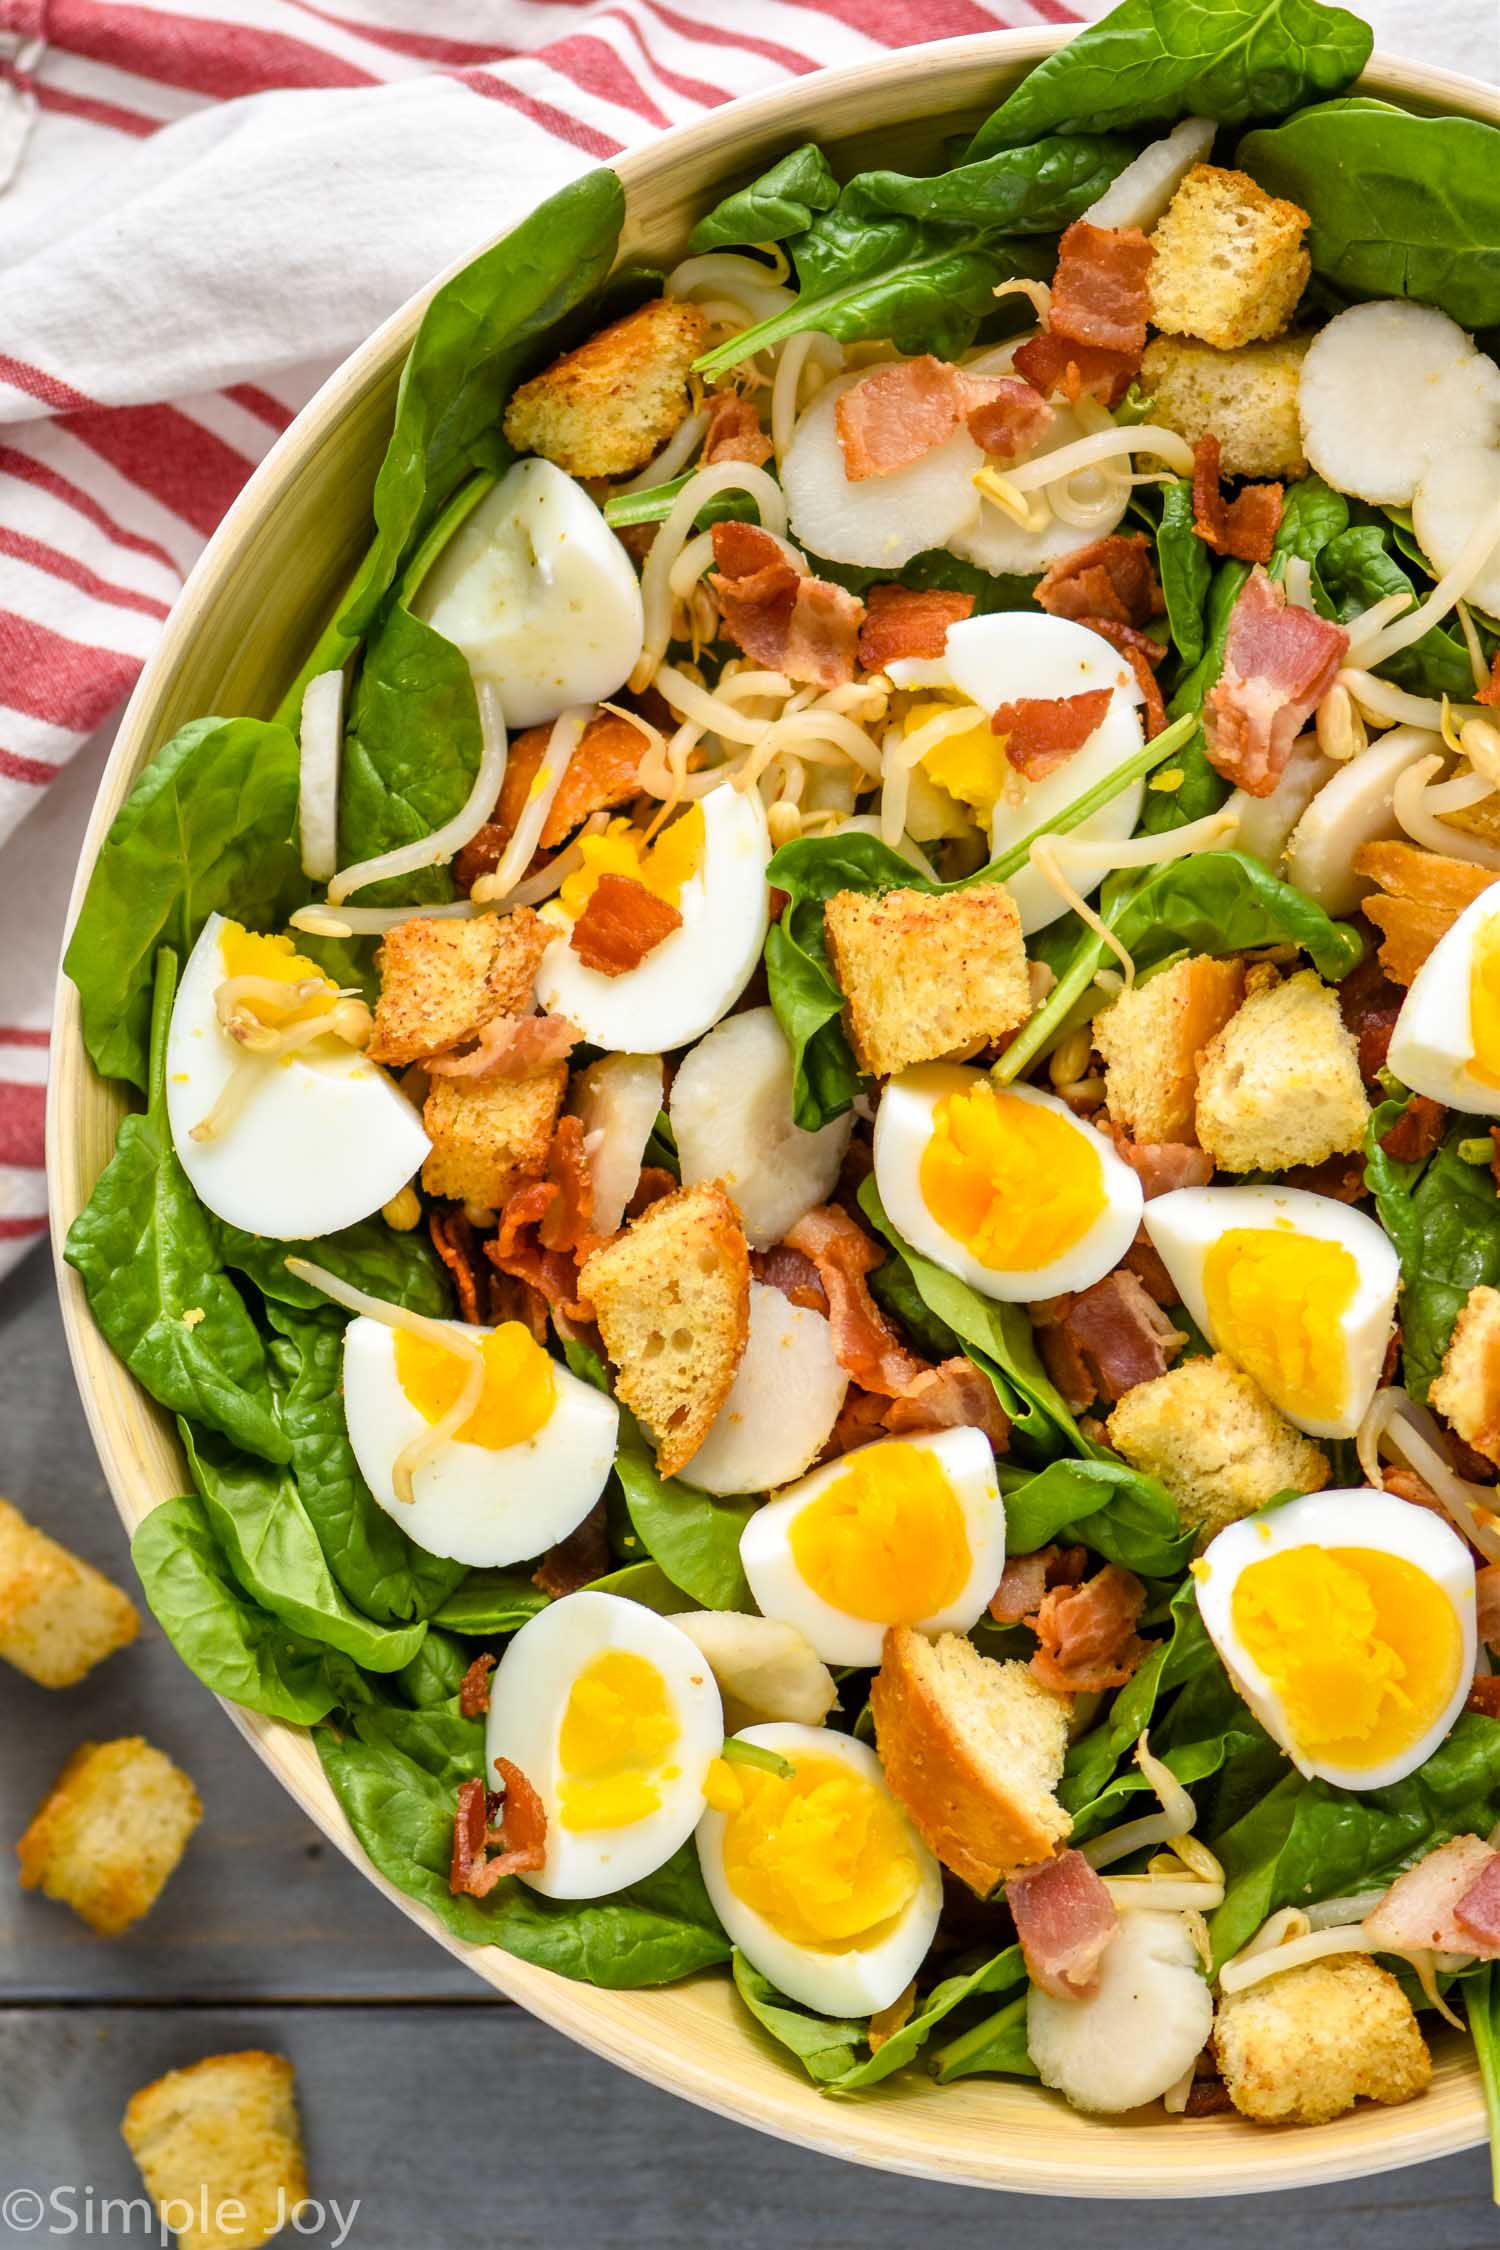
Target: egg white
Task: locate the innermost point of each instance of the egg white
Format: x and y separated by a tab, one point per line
323	1138
694	976
1185	1224
1362	1518
903	1128
780	1589
475	1503
1432	1045
528	1699
852	1982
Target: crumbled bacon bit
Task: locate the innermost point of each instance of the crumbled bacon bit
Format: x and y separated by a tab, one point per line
1244	527
577	1560
793	1274
734	432
1064	1919
520	1837
864	1341
621	924
1100	294
1342	1177
1416	1132
792	624
1369	1004
456	1243
1143	655
1490	692
1055	365
655	1182
509	1047
511	1298
897	413
1013	422
1143	1259
1484	1695
1026	1578
1086	1634
545	1233
1487	1599
1043	731
474	1687
861	1419
1102	1342
955	1394
904	621
1208	2096
1279	663
1161	1166
1111	577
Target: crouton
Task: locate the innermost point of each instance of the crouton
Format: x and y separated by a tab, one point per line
1467	1390
488	1134
1214	1439
1280	1084
58	1616
1305	2046
442	981
109	1832
1247	399
925	977
1424	894
604	409
1230	263
672	1299
219	2142
974	1750
1151	1038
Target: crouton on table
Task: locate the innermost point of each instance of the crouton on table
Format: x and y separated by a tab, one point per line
1280	1084
1213	1438
1305	2046
58	1616
221	2139
1247	399
489	1134
605	408
109	1832
1229	262
1151	1039
1467	1390
924	977
441	981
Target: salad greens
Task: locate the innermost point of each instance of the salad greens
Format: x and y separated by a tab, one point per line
1444	1219
781	203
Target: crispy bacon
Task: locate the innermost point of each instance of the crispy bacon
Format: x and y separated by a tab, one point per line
1056	366
511	1298
903	621
1490	692
603	773
1487	1596
1099	291
1013	422
577	1560
1418	1912
1342	1177
1369	1004
1043	731
655	1182
734	432
1111	577
1161	1166
520	1835
955	1394
620	925
864	1341
1143	655
1279	662
1026	1578
792	624
793	1274
1143	1259
896	414
1102	1342
456	1243
1477	1913
1244	527
1484	1695
1417	1131
509	1047
1407	1485
1086	1634
1064	1919
474	1687
545	1229
861	1419
823	636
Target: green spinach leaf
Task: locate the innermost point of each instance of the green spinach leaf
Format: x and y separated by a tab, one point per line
410	755
1444	1220
1001	1974
1358	569
826	2046
780	203
491	1601
1185	569
694	1538
231	1645
1125	1516
996	2046
404	1269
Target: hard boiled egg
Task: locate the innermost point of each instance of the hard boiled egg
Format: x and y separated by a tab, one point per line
613	1716
1446	1043
711	865
1295	1288
1001	1185
298	1144
908	1531
1346	1621
521	1473
539	594
782	1404
818	1876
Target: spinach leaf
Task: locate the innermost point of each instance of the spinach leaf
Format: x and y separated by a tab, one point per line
808	1002
269	1542
935	569
1149	61
997	2045
1185	568
781	202
1482	2007
435	1674
207	828
404	1269
232	1646
694	1538
1401	206
491	1601
1125	1516
1358	569
646	1583
826	2046
1002	1974
1226	902
1312	514
410	755
1444	1220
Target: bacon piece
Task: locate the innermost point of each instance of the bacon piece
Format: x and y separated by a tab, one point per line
1369	1004
896	414
1056	366
864	1341
955	1394
1417	1912
1417	1131
1477	1913
511	1298
1013	422
1043	731
1244	527
904	621
1086	1634
1407	1485
734	432
1064	1919
620	925
521	1834
1487	1596
1279	662
1104	1341
456	1243
823	636
1143	1259
474	1687
1143	655
792	624
1026	1578
1342	1177
545	1233
1099	291
577	1560
1111	577
509	1047
1208	2096
861	1419
603	773
655	1182
1484	1695
1490	692
1161	1166
793	1274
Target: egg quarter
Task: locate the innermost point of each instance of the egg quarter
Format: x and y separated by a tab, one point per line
1446	1040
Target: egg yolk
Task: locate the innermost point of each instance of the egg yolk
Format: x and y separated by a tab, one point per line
1484	1002
520	1384
969	765
1277	1303
886	1541
1017	1184
1361	1649
616	1731
674	859
822	1855
275	960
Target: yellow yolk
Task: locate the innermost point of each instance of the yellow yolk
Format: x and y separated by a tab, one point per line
1015	1183
675	857
970	766
886	1541
1484	1003
822	1856
1277	1303
520	1384
247	953
1362	1649
617	1729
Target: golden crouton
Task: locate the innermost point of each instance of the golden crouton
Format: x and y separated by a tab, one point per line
1424	894
220	2138
58	1616
1280	1084
1230	263
1214	1439
1467	1391
109	1832
974	1750
925	977
488	1134
1151	1039
672	1299
441	981
1305	2046
1247	399
604	409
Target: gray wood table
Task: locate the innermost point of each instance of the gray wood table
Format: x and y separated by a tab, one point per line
447	2115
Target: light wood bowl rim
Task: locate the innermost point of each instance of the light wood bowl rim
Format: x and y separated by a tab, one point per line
690	2040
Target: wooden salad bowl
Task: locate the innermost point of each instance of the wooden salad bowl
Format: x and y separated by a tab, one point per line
245	619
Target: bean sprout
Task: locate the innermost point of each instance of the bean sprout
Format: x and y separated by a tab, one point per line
562	743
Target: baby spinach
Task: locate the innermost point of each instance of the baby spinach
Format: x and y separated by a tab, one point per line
1226	902
694	1538
1312	514
1358	569
1001	1974
410	755
1125	1516
827	2047
435	1674
646	1583
935	569
1151	61
404	1269
1185	569
996	2045
491	1601
780	203
1444	1221
1482	2008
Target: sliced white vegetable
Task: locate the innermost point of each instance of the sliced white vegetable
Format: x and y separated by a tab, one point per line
731	1111
882	521
1353	808
1388	389
1265	823
617	1100
1147	185
765	1669
781	1407
1138	2031
320	742
1462	484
